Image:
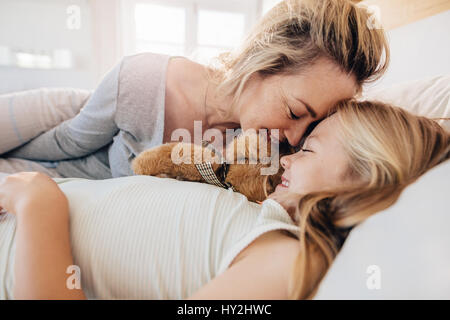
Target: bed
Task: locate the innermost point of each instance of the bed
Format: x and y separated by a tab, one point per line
400	253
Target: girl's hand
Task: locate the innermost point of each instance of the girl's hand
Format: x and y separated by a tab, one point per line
29	190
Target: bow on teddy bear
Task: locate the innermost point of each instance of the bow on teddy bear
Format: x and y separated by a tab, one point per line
250	164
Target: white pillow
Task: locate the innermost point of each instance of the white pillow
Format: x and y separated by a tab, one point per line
428	97
404	249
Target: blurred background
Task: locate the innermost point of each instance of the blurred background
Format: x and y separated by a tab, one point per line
73	43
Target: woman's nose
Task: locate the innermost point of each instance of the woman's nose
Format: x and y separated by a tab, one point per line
294	135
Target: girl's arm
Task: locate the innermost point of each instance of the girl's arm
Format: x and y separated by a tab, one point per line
260	272
43	251
90	130
43	254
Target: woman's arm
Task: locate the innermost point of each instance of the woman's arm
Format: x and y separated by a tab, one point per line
90	130
27	114
43	251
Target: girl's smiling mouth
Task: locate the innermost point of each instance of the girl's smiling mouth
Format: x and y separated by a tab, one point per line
284	182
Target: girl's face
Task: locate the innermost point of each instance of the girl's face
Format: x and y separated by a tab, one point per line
321	164
291	102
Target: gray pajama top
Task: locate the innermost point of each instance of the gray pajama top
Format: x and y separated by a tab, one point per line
123	117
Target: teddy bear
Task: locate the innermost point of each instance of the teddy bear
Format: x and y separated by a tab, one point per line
250	164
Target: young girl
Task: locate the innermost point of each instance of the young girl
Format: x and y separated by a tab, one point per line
301	59
143	237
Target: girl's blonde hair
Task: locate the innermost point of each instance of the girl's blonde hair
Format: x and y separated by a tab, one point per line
295	33
388	149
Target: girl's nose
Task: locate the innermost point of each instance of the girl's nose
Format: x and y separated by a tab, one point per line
285	162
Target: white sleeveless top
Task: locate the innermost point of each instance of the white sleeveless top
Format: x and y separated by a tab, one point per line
144	237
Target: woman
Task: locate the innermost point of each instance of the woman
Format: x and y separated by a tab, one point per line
210	243
301	59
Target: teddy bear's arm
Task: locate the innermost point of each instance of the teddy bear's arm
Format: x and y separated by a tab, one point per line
171	160
154	162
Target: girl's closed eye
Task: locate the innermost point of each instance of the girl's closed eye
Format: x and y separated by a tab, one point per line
306	150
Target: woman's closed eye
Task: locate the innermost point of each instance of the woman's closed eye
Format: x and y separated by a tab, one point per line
306	150
292	115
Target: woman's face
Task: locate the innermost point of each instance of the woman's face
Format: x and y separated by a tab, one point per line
291	102
321	164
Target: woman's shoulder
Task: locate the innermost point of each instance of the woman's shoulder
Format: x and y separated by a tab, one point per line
184	75
146	57
143	68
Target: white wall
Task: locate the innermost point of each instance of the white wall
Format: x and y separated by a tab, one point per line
419	50
40	25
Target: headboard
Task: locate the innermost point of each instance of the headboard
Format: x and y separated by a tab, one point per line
396	13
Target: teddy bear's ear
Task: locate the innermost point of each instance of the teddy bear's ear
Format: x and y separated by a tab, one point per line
273	181
246	147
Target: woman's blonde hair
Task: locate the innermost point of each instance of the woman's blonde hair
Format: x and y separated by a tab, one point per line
388	149
295	33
